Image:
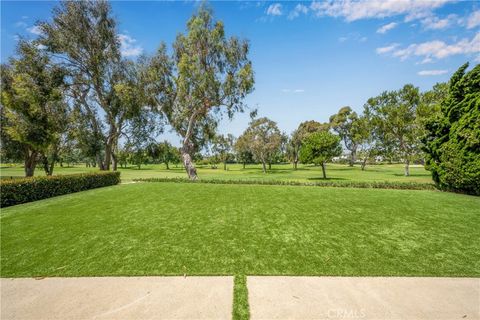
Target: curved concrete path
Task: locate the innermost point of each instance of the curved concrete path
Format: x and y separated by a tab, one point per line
364	298
117	298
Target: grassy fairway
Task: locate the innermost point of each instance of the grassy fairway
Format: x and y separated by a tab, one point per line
338	172
172	229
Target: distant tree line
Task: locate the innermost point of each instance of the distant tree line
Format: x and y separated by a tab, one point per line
70	96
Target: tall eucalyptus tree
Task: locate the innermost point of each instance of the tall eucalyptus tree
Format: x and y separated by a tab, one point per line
207	76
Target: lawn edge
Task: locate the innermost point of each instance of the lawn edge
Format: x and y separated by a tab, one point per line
334	184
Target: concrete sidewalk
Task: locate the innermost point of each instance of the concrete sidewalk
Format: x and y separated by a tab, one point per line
117	298
363	298
269	298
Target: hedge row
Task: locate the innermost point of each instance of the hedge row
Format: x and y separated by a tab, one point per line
16	191
339	184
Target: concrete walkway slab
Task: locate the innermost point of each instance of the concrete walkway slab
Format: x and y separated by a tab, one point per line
117	298
363	298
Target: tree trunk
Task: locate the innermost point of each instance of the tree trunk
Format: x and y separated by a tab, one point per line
46	167
243	165
352	158
187	150
264	167
189	167
166	163
323	171
364	163
30	163
407	167
269	166
114	162
108	157
109	147
295	162
52	165
225	165
101	165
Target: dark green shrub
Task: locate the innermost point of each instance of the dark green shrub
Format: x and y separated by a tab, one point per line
16	191
452	140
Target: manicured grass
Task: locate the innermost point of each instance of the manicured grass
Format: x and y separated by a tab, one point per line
208	229
335	172
241	310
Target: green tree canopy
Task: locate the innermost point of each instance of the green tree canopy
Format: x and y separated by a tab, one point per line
33	104
394	119
345	123
320	147
242	150
305	128
264	140
222	146
82	37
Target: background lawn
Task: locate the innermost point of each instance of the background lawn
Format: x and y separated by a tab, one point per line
384	172
173	229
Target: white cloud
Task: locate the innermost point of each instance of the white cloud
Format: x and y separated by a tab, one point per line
383	29
343	39
299	9
128	47
352	10
274	9
432	72
387	49
426	60
293	91
435	23
35	30
477	59
435	49
21	24
473	20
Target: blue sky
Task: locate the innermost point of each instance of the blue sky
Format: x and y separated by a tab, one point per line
310	58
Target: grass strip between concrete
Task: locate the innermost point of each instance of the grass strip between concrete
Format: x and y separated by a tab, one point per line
241	309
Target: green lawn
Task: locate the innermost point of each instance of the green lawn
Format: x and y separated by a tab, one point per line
279	172
181	228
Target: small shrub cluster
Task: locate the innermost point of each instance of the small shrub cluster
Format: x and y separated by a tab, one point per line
339	184
16	191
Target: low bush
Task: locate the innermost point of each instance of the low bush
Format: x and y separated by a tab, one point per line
16	191
327	183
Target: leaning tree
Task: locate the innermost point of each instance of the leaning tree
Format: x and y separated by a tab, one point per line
207	76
